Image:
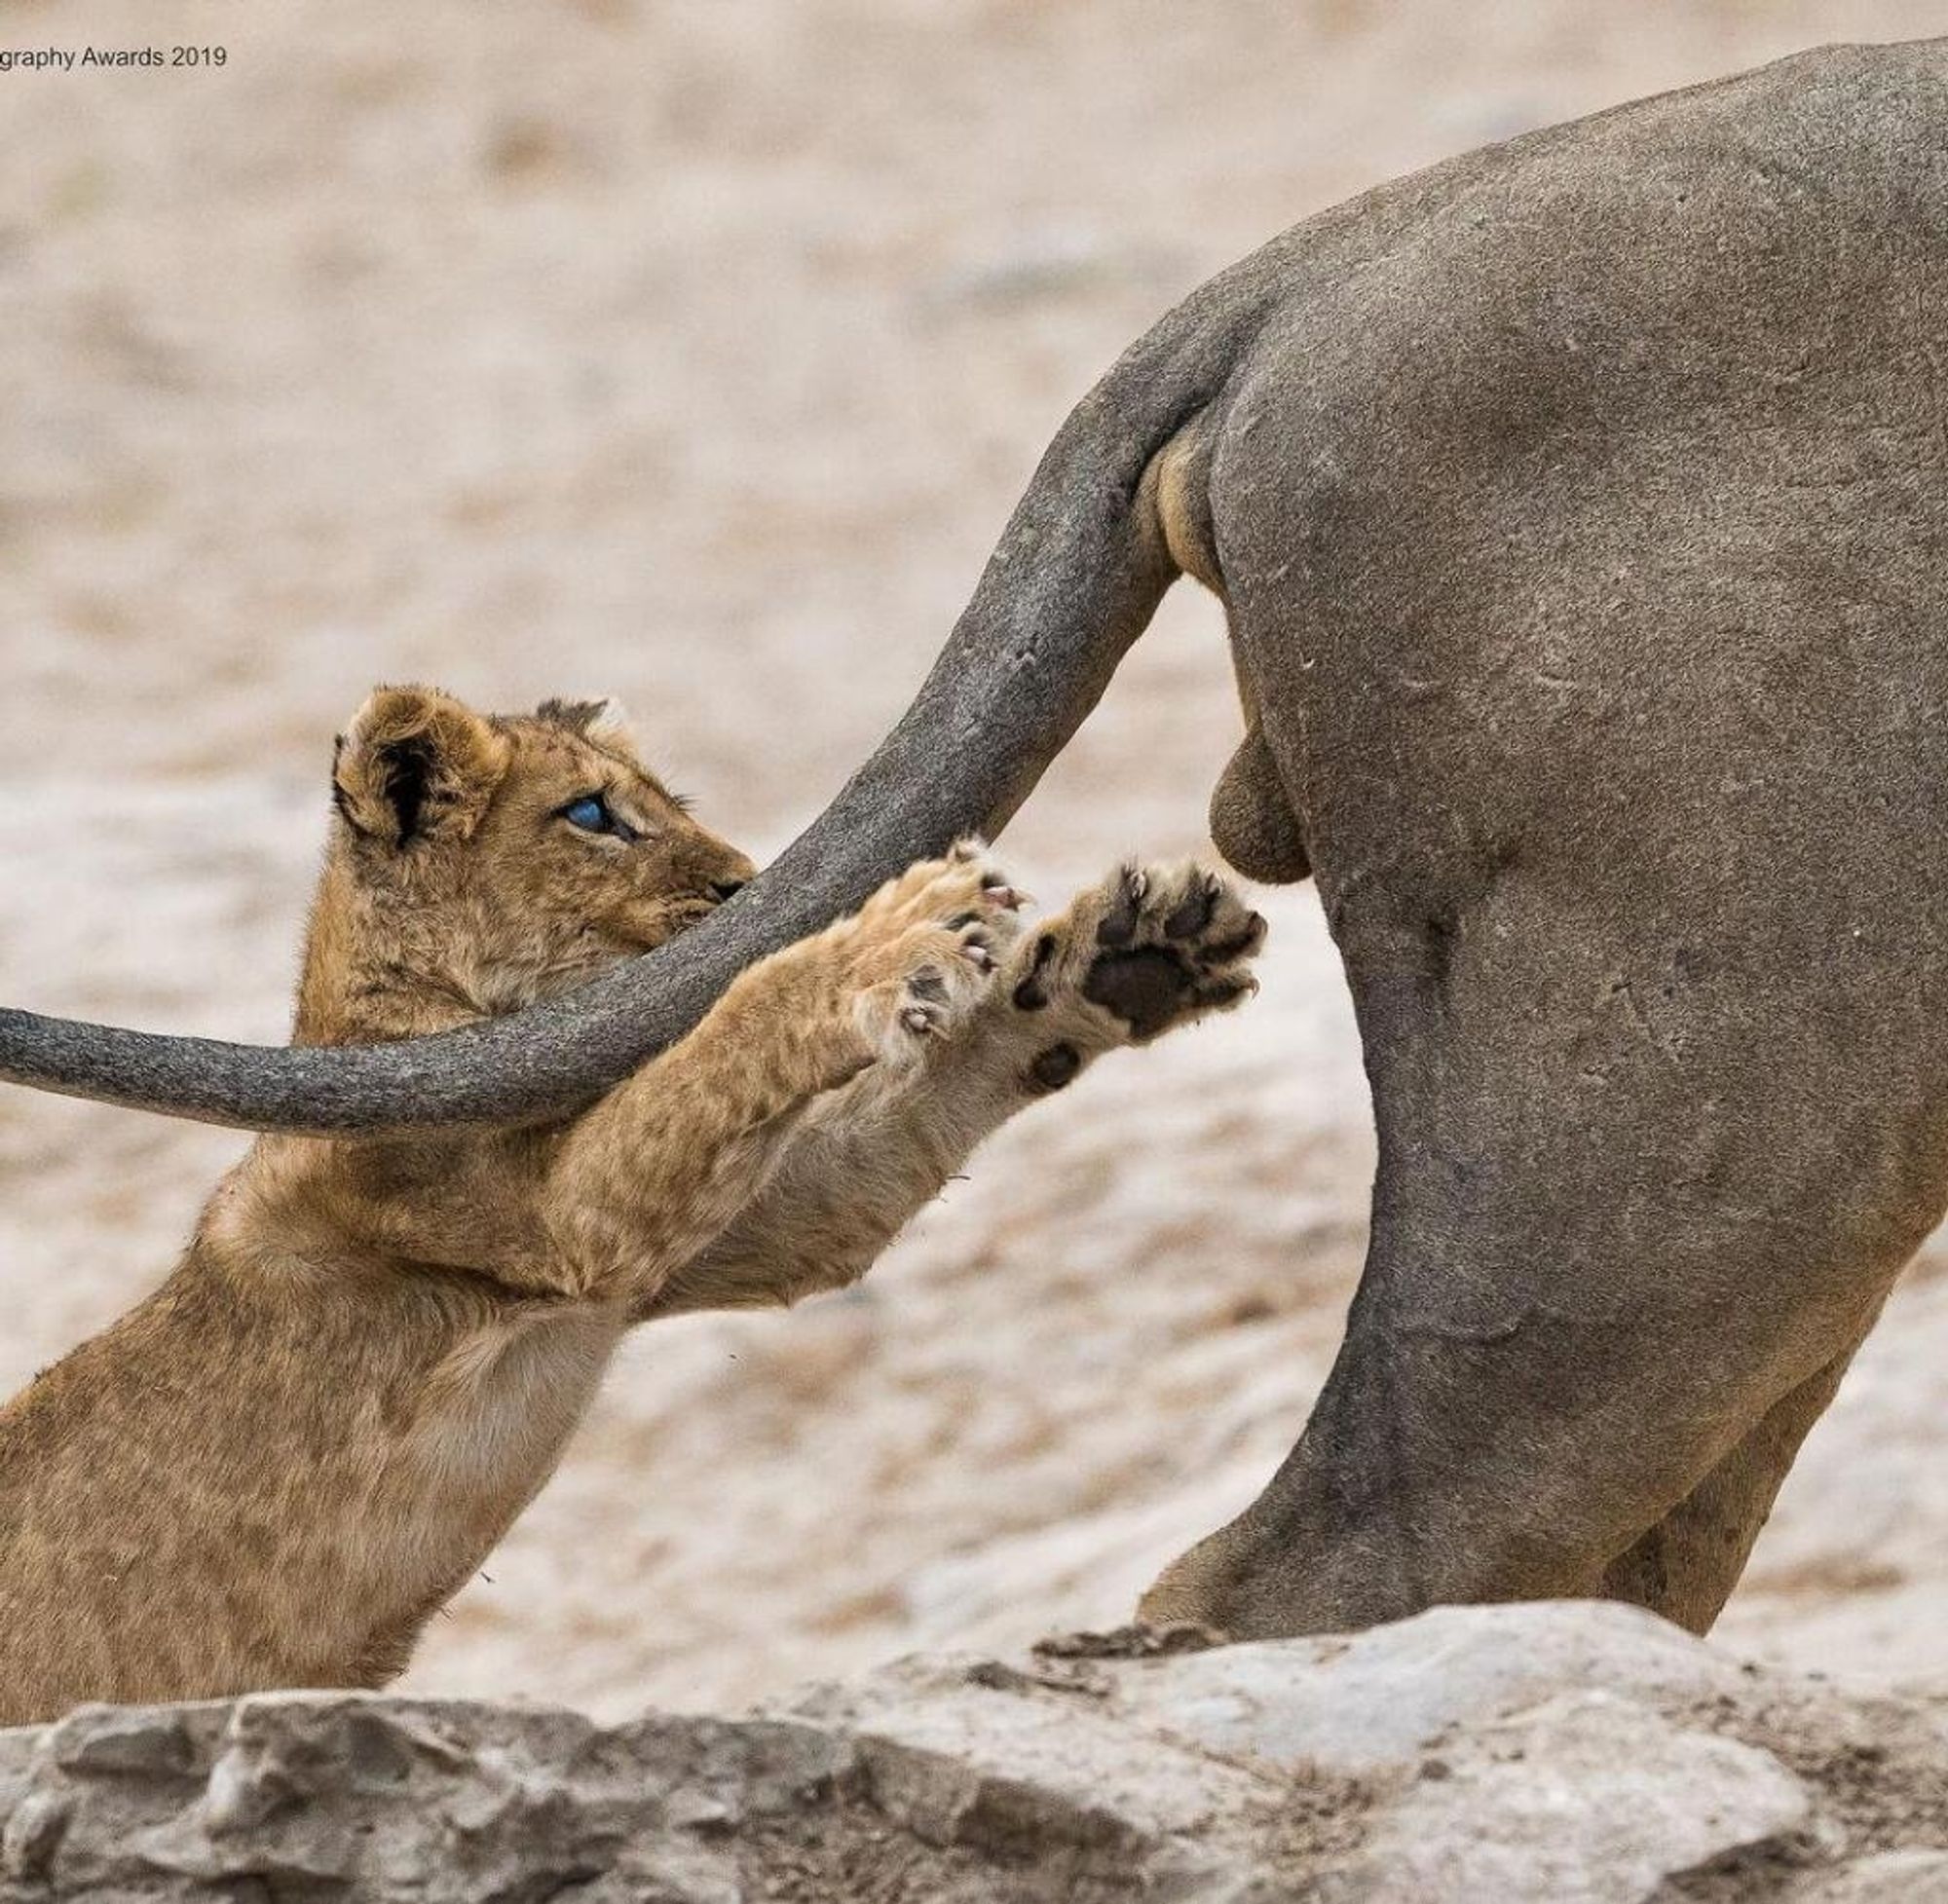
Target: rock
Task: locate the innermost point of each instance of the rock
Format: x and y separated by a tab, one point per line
1894	1878
1591	1799
1572	1754
1368	1701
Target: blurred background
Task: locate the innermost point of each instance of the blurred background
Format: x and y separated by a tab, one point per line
695	351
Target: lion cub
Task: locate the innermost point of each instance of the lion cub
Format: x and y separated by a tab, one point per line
274	1470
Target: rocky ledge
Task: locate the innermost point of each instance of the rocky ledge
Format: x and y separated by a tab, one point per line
1559	1753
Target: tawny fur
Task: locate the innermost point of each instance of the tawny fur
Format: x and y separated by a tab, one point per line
272	1470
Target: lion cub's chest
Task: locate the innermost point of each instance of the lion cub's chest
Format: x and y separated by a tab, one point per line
500	1407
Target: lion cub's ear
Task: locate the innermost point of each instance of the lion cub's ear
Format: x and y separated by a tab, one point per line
416	764
605	722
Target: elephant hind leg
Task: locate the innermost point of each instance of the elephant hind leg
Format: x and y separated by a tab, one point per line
1586	1314
1302	1560
1685	1566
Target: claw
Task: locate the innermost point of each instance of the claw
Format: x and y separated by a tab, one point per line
1118	926
1194	913
1239	945
1221	994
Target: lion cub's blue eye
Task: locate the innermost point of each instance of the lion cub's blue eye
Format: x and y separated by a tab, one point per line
590	813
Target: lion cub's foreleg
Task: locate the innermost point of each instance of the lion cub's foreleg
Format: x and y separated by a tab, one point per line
647	1178
1149	950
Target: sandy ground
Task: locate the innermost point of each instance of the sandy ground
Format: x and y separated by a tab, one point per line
697	351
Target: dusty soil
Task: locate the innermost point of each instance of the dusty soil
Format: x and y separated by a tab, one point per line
697	351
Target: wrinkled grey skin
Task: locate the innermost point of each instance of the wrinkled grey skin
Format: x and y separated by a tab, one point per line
1578	508
1584	525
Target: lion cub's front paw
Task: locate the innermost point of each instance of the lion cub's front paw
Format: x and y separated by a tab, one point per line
1153	946
928	949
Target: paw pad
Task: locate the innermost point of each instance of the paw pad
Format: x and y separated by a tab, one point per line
1032	994
1053	1068
1170	946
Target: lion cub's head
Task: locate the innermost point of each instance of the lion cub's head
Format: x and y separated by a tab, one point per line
480	862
